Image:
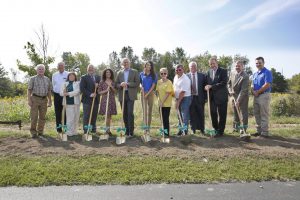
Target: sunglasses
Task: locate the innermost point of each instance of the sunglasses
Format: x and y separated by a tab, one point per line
163	73
178	70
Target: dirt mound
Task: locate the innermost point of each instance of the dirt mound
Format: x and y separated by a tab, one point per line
193	146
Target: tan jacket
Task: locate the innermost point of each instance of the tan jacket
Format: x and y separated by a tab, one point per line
133	83
239	84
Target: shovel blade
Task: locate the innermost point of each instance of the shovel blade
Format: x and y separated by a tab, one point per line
165	140
64	137
146	138
103	137
87	137
120	140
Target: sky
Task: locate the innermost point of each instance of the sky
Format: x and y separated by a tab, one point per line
268	28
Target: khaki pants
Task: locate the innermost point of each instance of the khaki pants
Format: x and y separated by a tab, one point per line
72	112
261	105
38	114
244	113
148	110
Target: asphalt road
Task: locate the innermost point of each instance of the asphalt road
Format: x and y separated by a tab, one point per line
243	191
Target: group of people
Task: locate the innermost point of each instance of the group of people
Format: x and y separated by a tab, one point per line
191	91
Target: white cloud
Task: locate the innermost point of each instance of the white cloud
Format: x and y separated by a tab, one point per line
256	17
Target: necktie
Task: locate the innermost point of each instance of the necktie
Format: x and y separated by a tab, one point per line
194	92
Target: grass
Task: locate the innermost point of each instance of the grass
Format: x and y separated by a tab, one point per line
63	170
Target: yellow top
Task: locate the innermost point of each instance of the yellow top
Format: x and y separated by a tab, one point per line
163	88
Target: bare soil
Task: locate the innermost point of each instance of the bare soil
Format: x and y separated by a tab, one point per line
192	146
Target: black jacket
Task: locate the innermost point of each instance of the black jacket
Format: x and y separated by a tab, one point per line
87	87
218	92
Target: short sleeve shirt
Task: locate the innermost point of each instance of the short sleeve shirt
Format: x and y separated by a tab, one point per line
147	81
40	85
180	84
261	77
163	88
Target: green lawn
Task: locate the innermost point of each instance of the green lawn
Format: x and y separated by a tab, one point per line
66	170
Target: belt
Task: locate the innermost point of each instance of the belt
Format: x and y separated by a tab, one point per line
43	97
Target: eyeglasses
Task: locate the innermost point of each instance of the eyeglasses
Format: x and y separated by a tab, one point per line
163	73
178	70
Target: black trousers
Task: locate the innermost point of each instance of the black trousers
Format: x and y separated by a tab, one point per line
128	116
58	107
218	116
165	111
86	116
197	114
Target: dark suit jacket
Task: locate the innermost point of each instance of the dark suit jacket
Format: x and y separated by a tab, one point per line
201	82
87	87
133	83
218	92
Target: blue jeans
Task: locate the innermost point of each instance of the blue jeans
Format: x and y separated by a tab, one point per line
184	109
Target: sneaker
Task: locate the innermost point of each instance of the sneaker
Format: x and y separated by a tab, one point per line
255	134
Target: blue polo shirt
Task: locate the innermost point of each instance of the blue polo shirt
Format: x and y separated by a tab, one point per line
261	77
147	81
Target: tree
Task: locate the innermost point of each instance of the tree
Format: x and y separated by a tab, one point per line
202	61
69	60
179	56
77	62
279	83
247	68
149	54
225	62
127	52
294	83
6	89
114	61
37	54
166	61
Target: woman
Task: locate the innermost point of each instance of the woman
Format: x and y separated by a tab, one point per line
148	82
165	92
71	91
107	84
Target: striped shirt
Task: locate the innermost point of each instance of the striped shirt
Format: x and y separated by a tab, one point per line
40	85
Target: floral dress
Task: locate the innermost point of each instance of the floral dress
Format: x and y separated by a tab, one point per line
112	107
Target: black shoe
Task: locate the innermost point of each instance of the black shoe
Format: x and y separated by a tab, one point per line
179	133
255	134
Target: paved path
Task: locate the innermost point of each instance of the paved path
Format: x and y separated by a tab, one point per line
248	191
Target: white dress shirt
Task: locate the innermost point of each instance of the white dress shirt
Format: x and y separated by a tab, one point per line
58	79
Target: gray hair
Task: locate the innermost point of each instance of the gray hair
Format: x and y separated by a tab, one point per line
124	60
90	65
40	66
213	58
61	63
192	63
242	62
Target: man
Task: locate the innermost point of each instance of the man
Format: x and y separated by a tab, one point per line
38	94
58	78
198	82
88	86
217	86
182	89
128	79
238	88
261	88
